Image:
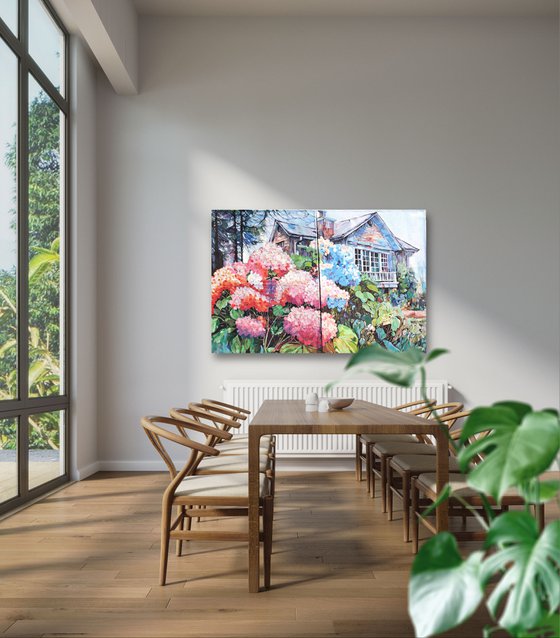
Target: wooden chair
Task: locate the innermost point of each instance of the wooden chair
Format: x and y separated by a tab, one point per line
221	495
383	450
242	411
238	444
426	484
402	467
368	440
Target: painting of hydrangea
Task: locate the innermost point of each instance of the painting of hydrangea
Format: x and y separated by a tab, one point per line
306	281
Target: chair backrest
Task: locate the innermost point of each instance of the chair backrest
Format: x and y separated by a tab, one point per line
157	434
243	413
216	428
224	414
417	405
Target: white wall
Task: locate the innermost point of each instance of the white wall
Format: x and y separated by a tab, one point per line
458	116
83	280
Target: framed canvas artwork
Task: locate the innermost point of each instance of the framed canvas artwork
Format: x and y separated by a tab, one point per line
307	281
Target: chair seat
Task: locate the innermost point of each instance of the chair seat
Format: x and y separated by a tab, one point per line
218	486
229	463
420	463
238	438
391	448
239	447
459	486
374	438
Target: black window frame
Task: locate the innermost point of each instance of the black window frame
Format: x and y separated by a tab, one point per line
23	407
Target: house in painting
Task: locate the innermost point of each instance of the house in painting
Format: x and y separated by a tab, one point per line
377	250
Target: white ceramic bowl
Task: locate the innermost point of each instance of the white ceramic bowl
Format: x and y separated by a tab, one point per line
340	404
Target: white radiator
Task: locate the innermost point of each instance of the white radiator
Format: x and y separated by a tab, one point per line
251	394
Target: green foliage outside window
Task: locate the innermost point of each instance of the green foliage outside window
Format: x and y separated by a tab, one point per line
44	336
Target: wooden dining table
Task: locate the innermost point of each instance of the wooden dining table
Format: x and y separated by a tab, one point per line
362	417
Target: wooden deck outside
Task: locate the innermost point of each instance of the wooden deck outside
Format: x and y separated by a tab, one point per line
85	562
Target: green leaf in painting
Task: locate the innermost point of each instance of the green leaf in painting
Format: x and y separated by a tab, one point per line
443	590
215	323
236	345
221	304
292	348
529	563
347	340
280	311
515	451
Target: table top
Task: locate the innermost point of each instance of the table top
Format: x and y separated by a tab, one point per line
290	417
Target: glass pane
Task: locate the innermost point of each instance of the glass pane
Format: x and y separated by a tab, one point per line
46	43
8	231
46	447
46	189
8	459
9	13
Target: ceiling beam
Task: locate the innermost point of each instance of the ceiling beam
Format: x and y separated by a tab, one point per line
110	29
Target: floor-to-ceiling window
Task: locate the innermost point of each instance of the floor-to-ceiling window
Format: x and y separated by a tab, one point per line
34	113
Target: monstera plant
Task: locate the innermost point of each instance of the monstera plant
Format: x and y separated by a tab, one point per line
517	570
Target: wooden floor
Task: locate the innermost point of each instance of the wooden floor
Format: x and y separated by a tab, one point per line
84	562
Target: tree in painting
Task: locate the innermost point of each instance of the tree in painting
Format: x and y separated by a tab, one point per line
303	281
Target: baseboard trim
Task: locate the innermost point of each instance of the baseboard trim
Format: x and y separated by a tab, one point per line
290	464
83	472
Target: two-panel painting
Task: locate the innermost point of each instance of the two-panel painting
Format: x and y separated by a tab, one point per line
306	281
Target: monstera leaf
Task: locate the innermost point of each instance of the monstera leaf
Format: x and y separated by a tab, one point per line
444	590
530	564
520	445
400	368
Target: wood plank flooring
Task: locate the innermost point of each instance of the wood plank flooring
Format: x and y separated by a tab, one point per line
84	562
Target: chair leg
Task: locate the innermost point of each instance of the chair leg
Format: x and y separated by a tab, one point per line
268	518
414	510
164	551
389	492
179	542
539	515
358	460
406	505
371	474
383	460
370	483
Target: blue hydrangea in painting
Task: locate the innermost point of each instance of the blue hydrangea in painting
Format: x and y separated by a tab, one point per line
303	281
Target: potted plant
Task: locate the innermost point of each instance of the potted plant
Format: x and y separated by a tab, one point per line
521	563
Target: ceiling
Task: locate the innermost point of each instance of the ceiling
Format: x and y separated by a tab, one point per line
349	8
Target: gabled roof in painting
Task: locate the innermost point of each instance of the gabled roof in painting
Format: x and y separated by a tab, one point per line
409	248
345	227
342	229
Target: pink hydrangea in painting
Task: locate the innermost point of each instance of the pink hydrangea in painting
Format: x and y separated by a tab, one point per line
292	287
256	280
249	327
304	281
270	259
227	279
307	325
332	295
246	298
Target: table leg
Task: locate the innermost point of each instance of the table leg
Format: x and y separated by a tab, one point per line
253	523
442	477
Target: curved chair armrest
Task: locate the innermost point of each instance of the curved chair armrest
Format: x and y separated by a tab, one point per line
190	424
195	413
232	413
148	423
227	405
